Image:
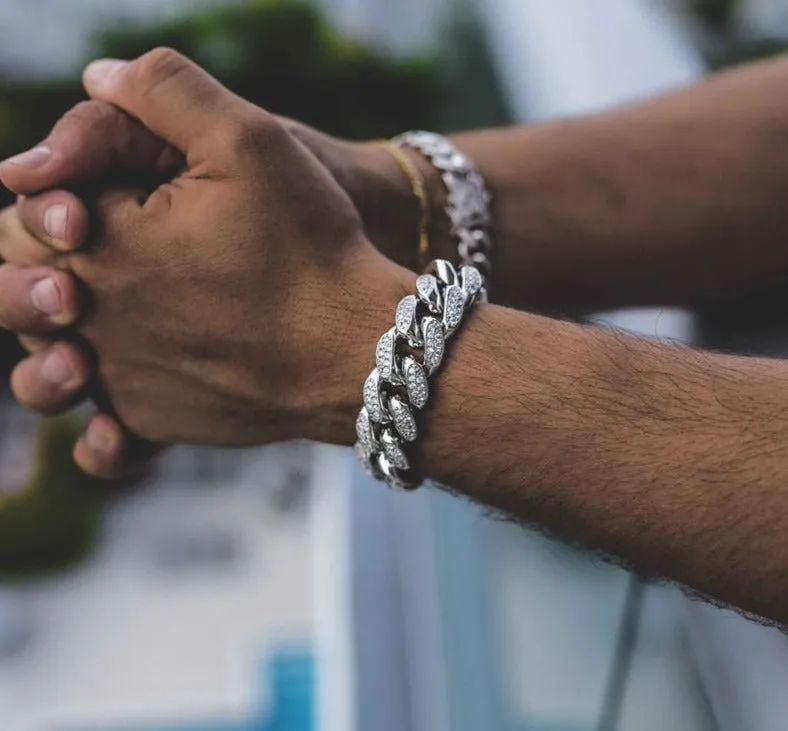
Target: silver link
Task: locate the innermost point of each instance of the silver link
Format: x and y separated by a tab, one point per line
444	271
468	206
398	387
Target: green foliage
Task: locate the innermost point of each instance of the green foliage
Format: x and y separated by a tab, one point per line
730	47
718	14
737	52
53	522
284	56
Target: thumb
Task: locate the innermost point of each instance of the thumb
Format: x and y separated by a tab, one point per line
170	95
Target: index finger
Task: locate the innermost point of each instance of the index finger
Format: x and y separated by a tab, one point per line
91	140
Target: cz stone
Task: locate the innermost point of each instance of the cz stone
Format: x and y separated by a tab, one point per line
366	438
416	383
434	343
372	400
406	315
393	451
384	354
472	281
363	456
404	422
454	308
427	287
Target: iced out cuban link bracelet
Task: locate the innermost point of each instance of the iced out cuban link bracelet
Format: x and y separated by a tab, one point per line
468	201
410	354
406	358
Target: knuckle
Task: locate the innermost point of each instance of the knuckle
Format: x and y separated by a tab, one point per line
157	67
89	114
253	135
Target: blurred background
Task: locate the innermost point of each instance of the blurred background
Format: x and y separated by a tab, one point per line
279	589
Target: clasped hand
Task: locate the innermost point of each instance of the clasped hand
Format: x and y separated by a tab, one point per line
229	298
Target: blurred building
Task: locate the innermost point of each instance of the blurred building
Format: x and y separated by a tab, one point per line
765	17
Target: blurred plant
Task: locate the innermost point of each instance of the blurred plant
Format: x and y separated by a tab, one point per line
53	521
717	14
724	44
745	50
284	56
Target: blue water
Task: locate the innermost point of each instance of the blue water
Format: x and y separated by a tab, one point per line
292	677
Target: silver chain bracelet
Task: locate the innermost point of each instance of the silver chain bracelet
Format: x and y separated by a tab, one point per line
468	206
398	386
410	353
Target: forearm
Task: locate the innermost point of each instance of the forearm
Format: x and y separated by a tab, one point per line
672	459
676	201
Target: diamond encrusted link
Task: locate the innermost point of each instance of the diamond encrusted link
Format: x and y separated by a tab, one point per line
434	343
393	450
372	399
468	200
454	308
384	355
363	456
468	203
415	382
404	421
405	319
472	281
429	292
398	386
366	437
444	271
392	475
426	320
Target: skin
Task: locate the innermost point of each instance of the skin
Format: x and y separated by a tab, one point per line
670	458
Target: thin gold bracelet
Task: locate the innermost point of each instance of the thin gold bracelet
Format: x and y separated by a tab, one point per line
420	192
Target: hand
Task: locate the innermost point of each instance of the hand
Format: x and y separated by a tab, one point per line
96	140
224	345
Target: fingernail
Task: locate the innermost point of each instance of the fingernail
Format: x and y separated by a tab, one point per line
99	438
32	158
56	220
45	297
56	369
101	72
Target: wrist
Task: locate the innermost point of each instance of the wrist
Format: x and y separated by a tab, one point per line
342	352
392	212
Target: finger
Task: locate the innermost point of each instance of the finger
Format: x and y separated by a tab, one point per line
107	451
19	246
52	380
170	95
99	451
89	141
37	300
56	218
